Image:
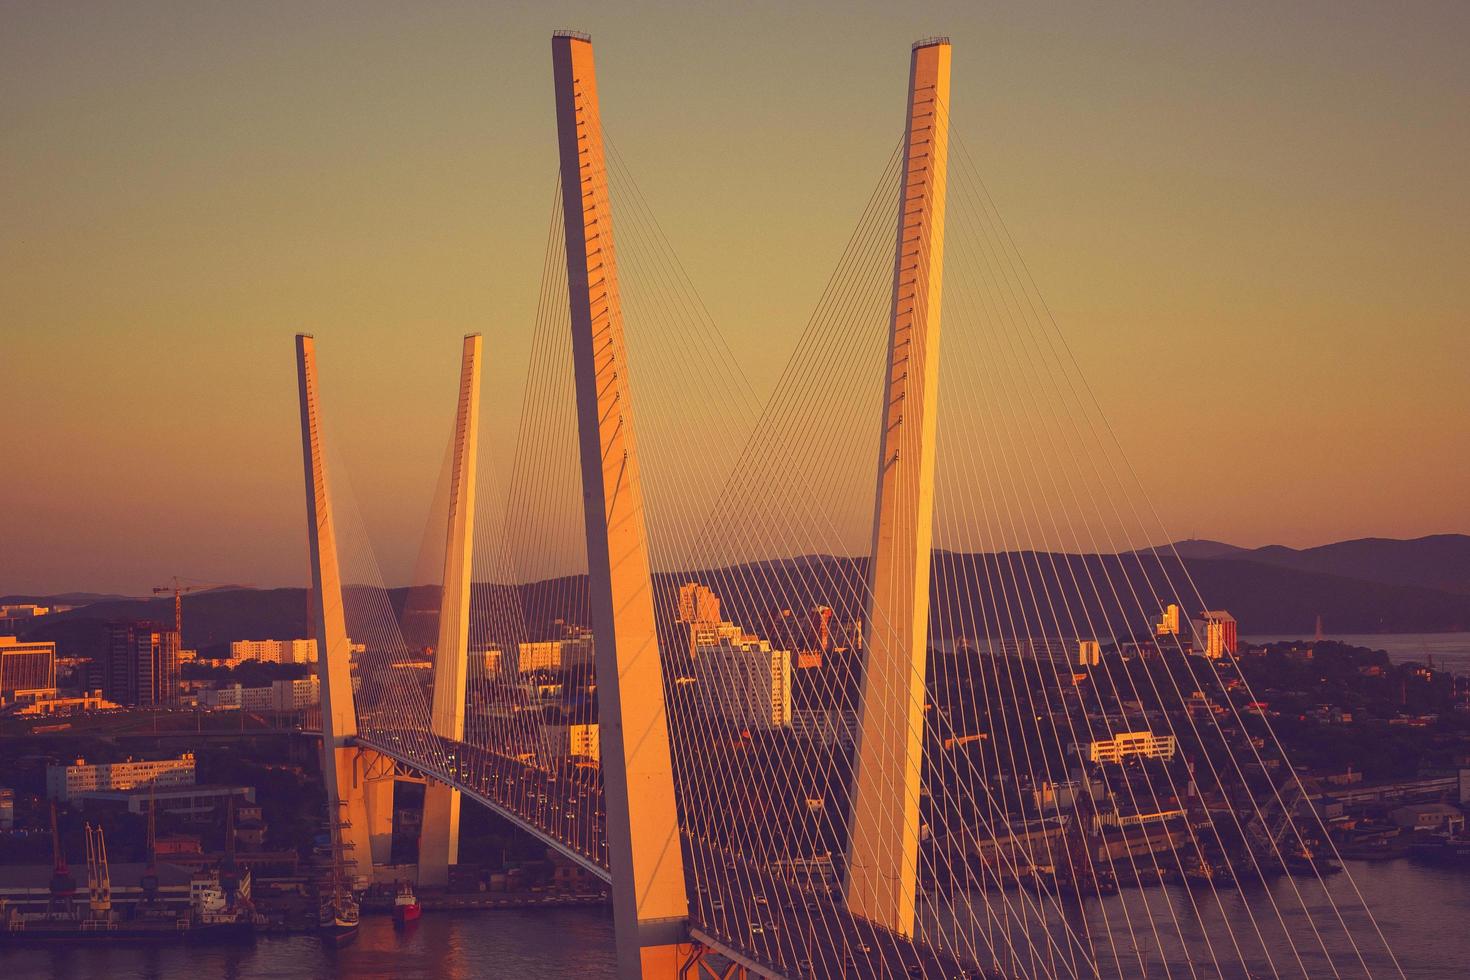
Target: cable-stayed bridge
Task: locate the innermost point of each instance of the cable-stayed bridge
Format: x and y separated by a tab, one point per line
875	676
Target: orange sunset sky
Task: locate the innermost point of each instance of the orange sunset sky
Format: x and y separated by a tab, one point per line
1251	220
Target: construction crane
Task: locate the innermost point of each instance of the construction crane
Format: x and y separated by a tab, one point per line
178	589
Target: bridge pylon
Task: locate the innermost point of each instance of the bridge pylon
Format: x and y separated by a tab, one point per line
439	835
883	841
343	767
650	907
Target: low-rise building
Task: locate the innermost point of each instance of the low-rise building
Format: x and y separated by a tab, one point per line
282	695
274	651
1437	817
577	742
574	651
59	705
65	783
1126	745
826	726
27	670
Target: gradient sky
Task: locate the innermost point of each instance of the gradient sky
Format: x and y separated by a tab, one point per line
1257	213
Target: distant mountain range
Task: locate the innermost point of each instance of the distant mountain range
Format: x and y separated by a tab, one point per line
1439	561
1371	585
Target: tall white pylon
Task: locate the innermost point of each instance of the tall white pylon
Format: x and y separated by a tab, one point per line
883	844
342	765
439	836
650	908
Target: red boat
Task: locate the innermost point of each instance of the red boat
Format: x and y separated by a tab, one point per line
406	906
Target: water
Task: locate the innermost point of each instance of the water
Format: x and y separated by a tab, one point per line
1422	912
524	945
1451	651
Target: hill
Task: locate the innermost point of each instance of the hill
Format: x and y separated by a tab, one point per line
1200	548
210	619
1439	561
1371	585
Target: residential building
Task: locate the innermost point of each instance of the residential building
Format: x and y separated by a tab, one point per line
19	615
574	651
27	670
22	610
826	726
1127	745
485	663
65	782
141	665
274	651
579	742
296	695
1215	633
283	695
698	604
1168	624
7	808
742	679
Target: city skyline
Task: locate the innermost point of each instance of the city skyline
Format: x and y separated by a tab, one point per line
836	640
1286	277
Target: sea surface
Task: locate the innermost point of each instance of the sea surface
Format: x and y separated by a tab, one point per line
1421	911
1450	651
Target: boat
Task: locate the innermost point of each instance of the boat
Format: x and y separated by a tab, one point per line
1304	861
406	906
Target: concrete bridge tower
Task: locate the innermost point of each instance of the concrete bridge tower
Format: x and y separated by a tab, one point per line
439	836
344	768
650	908
883	844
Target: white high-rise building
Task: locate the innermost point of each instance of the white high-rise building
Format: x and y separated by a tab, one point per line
740	678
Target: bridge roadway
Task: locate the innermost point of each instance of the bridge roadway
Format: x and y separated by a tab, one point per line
772	925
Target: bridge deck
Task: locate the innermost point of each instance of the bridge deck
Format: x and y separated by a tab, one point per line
748	914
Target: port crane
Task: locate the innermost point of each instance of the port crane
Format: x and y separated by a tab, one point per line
99	880
1272	827
63	885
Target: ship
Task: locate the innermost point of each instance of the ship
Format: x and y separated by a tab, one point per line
337	915
217	910
1442	849
337	918
406	906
